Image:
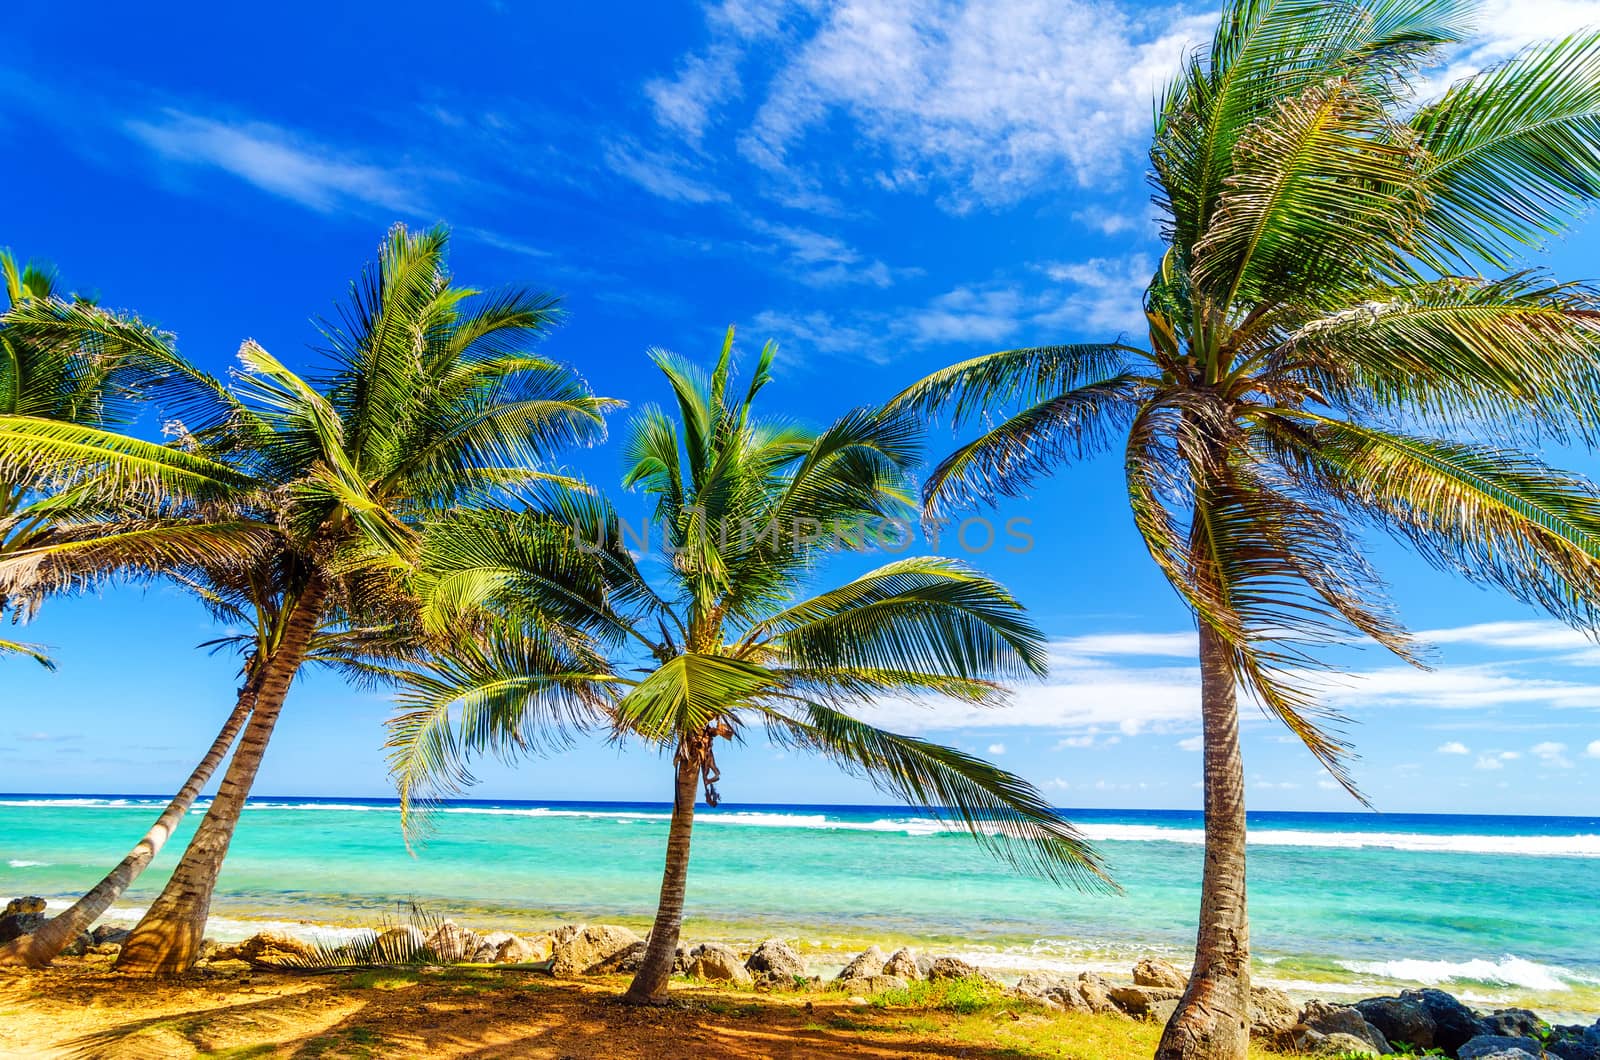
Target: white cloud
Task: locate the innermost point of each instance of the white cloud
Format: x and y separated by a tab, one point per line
1505	26
1107	222
1593	750
1454	747
1184	645
991	98
1099	298
274	160
1528	636
822	260
1489	762
1103	295
660	173
1552	754
1192	743
997	749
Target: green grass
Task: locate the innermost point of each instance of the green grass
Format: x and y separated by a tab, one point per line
962	996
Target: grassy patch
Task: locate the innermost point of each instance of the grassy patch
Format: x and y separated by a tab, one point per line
961	996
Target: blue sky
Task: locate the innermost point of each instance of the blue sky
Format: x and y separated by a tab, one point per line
883	186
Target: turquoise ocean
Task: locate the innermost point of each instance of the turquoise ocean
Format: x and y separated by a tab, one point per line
1495	909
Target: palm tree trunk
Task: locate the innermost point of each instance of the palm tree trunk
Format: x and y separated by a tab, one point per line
1212	1021
649	986
43	946
166	941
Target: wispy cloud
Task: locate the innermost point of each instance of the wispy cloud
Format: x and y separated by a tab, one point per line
822	260
989	99
1526	635
1552	753
661	173
1454	747
274	160
1098	298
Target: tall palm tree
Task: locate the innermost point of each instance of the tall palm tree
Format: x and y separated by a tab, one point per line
1324	354
306	495
745	510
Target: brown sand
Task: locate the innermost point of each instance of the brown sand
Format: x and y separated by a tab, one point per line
81	1009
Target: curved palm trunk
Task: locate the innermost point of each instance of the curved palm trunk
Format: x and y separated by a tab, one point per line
54	935
649	986
1212	1020
166	941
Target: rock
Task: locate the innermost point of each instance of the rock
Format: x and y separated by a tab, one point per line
1501	1046
774	957
1138	1001
586	949
398	944
1340	1019
31	904
1510	1023
631	959
519	950
452	942
1038	987
1400	1019
1094	993
208	948
924	965
106	933
1453	1022
1573	1046
903	962
1272	1014
1341	1044
866	963
717	963
871	984
16	925
267	949
949	968
1153	971
1161	1011
106	949
78	946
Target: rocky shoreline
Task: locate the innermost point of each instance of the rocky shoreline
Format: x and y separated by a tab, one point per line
1413	1022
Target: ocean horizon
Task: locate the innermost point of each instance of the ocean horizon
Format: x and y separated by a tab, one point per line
1494	908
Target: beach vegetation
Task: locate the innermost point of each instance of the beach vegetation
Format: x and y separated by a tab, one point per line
63	360
725	635
293	505
1341	336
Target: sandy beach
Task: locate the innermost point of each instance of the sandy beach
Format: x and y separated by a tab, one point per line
82	1010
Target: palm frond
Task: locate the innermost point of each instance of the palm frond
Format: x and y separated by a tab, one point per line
1005	814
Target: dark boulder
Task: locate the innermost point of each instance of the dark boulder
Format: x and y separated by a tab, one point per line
1342	1019
16	925
1511	1023
1453	1023
1400	1019
1501	1047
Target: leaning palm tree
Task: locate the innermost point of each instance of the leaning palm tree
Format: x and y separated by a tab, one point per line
745	510
1324	354
316	488
67	361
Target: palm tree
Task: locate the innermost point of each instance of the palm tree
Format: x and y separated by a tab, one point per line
302	497
61	359
1323	354
745	510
